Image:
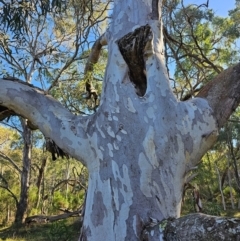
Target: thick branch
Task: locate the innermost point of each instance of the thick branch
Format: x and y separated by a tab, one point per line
95	53
223	93
93	59
55	122
203	227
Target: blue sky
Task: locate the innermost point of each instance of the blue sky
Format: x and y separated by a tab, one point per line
220	7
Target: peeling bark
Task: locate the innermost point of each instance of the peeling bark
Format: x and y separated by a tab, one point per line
134	48
5	113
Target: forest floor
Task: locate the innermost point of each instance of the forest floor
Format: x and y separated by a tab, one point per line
64	230
231	213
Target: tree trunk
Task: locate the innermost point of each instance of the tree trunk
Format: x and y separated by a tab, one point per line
40	181
235	166
25	174
142	142
230	185
135	178
220	188
67	174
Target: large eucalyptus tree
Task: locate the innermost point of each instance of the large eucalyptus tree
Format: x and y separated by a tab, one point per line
141	143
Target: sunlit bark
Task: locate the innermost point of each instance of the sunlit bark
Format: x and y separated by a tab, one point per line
142	142
25	173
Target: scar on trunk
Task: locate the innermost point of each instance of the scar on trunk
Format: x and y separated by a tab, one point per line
134	48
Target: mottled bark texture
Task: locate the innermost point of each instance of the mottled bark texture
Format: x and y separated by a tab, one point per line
200	227
141	143
223	93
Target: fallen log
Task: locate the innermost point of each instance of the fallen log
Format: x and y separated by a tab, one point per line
39	219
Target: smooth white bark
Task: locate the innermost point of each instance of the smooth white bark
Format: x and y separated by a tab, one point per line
146	144
67	130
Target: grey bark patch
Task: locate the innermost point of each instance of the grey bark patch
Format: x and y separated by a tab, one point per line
99	210
85	233
204	227
188	141
94	152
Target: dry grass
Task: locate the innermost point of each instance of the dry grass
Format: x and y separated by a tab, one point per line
232	213
67	230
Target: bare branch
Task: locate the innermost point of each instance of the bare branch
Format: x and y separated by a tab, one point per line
11	161
95	53
7	188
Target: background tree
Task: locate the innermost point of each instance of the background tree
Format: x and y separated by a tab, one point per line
200	46
30	53
51	190
198	43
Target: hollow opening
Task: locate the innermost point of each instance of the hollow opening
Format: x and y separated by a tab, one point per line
132	48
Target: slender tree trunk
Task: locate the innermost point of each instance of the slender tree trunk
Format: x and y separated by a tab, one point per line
235	166
40	181
25	174
8	213
230	185
67	172
220	188
6	220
